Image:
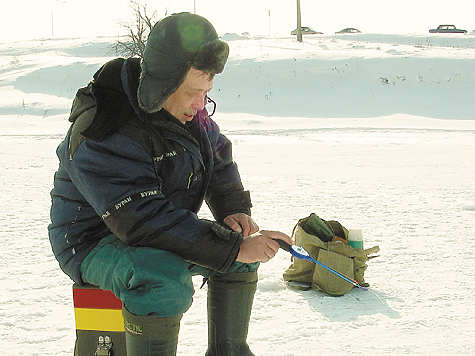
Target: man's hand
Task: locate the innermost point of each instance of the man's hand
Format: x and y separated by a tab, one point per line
261	247
241	223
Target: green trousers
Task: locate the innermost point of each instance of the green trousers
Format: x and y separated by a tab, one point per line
148	281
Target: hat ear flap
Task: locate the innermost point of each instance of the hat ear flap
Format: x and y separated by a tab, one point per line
151	95
211	57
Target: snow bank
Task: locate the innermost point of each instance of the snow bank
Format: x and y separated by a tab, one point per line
333	76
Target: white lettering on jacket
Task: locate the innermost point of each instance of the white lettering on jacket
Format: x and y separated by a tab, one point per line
123	202
149	193
167	155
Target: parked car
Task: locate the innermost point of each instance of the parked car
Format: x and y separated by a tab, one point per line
307	31
447	29
349	30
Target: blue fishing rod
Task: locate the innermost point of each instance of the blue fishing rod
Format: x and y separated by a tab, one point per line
302	254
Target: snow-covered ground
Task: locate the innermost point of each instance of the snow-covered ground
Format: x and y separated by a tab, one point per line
375	131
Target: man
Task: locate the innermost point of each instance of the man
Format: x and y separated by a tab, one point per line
135	167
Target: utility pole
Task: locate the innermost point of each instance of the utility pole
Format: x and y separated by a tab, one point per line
269	23
194	6
299	23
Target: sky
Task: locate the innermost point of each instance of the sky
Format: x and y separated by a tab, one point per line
38	19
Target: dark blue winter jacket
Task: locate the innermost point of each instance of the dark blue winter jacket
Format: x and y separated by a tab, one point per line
142	177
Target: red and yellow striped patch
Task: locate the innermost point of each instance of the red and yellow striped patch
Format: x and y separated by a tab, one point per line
97	309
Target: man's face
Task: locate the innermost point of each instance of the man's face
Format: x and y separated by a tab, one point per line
190	96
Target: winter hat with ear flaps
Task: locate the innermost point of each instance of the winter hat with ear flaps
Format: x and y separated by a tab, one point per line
175	44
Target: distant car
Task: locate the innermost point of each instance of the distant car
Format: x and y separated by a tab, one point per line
447	29
306	31
349	30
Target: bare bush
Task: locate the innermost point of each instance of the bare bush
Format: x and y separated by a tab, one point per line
137	30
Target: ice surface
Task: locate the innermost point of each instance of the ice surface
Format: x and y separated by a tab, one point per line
377	132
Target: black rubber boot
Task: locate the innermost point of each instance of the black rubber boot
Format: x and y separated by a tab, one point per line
230	298
151	335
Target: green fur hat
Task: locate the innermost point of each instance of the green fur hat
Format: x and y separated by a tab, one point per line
176	44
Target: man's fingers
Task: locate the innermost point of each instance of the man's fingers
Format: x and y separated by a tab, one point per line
262	246
233	224
277	235
254	228
273	245
244	228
